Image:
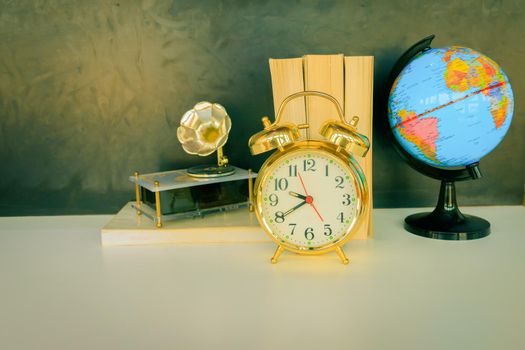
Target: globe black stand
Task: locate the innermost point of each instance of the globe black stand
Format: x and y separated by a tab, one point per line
446	221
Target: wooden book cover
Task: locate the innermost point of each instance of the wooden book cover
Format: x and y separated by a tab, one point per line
324	73
287	79
359	79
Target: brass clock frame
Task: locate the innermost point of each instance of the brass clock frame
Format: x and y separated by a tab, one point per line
360	184
342	141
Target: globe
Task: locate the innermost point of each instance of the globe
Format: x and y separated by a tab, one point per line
447	108
450	106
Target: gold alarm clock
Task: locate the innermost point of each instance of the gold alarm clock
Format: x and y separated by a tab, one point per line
310	195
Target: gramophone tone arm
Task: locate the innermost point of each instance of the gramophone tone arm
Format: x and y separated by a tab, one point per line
222	160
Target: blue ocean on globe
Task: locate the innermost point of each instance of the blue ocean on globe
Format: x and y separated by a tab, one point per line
449	107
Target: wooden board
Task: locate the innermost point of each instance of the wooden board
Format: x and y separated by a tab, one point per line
236	226
128	228
287	79
359	80
324	73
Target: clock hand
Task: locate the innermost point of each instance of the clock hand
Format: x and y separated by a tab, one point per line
294	208
313	206
297	195
302	183
309	199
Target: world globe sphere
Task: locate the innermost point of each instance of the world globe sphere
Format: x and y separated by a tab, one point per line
450	106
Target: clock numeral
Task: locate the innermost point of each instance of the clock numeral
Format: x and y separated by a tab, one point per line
340	217
327	230
309	233
309	164
347	200
339	182
293	228
281	184
279	217
274	199
326	170
292	170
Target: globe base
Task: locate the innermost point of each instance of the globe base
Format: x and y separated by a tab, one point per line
432	226
446	221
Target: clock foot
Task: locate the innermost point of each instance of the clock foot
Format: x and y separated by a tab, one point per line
342	255
277	254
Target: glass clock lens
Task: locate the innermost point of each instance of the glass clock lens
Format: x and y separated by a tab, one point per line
309	198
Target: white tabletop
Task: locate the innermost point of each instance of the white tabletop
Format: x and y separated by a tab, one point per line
60	289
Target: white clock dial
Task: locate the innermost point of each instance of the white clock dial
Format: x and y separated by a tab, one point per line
308	198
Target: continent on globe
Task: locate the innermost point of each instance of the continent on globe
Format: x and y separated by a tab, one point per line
422	132
451	106
481	73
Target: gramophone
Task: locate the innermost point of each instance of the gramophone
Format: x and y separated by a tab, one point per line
201	189
202	131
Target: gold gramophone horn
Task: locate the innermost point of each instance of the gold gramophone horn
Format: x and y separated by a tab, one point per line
204	128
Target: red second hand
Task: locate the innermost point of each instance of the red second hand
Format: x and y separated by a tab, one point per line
320	217
309	199
302	183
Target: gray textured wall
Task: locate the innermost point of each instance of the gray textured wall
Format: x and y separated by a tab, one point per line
91	90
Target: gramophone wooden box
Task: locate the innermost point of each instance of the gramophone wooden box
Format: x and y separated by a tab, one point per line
175	194
173	207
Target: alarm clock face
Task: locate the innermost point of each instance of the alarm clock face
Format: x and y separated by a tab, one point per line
308	199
